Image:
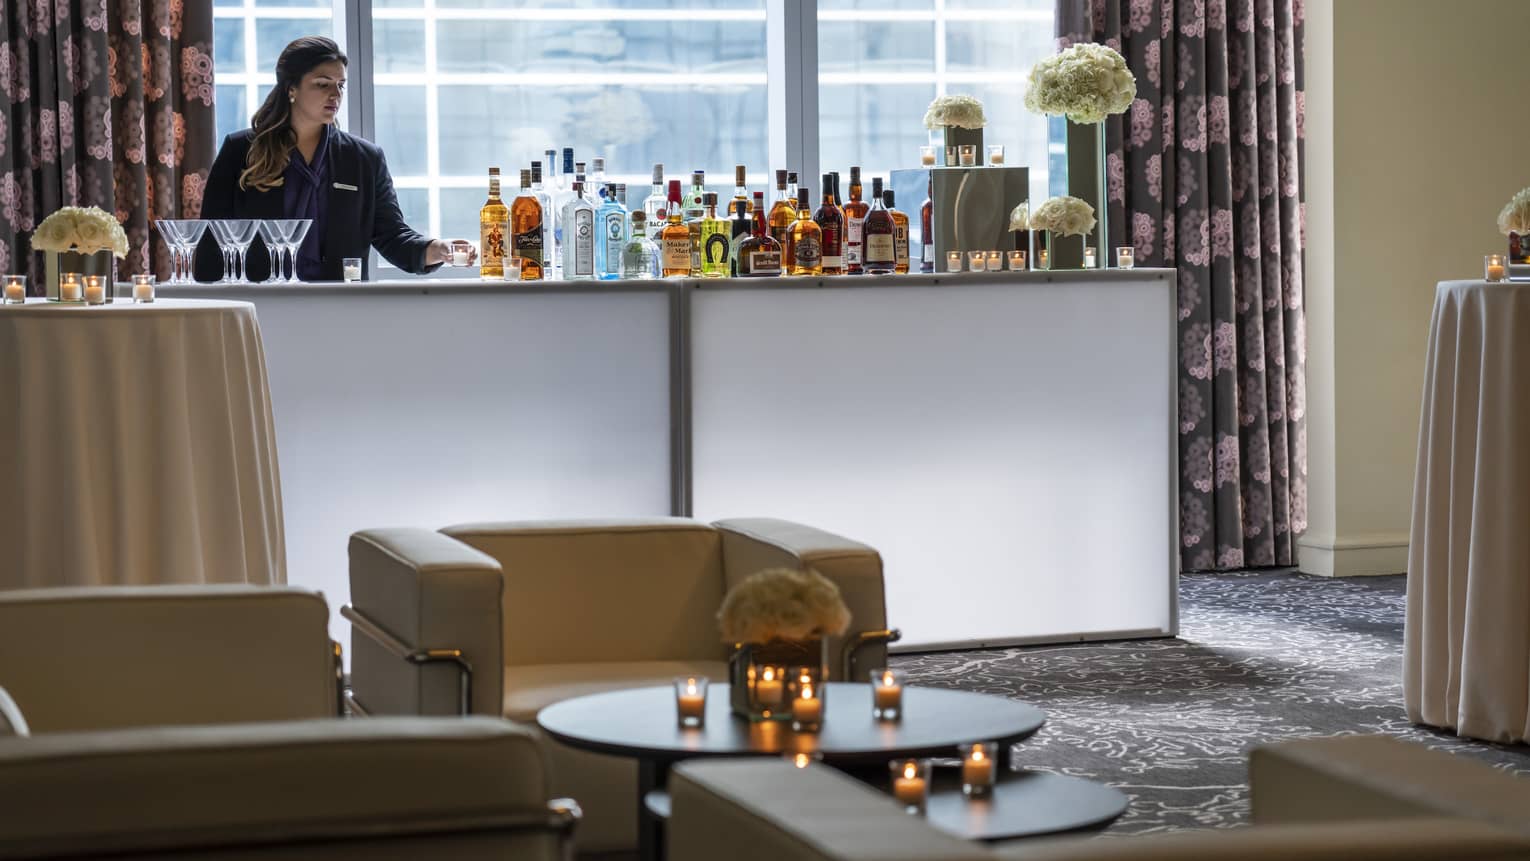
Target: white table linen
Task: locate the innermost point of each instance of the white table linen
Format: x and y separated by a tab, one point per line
137	446
1467	635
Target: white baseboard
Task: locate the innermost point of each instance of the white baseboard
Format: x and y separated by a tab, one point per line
1358	555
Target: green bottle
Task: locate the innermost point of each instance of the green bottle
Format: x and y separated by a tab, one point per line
716	237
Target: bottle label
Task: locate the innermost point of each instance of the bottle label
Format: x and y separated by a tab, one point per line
528	243
491	242
808	252
615	237
715	253
854	232
879	249
929	252
765	263
833	262
677	253
900	246
833	245
584	242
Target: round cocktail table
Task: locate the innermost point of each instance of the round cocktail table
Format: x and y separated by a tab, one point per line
641	723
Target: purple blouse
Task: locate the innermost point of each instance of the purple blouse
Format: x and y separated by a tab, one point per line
306	195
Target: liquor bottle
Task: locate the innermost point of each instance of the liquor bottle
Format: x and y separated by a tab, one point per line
741	188
741	225
621	195
526	230
759	255
783	212
493	231
579	177
640	256
578	236
675	239
565	181
804	251
900	238
792	191
612	221
716	235
653	204
562	192
855	221
695	204
547	218
926	231
552	170
831	224
881	234
598	177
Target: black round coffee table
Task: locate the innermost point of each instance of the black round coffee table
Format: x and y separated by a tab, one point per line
641	723
1023	804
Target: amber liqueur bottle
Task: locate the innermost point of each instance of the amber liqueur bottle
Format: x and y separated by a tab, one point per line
831	224
804	250
783	211
526	230
900	236
675	241
759	255
881	235
493	231
855	221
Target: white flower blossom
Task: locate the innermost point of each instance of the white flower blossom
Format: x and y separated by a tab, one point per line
1515	216
1020	219
964	112
85	230
1067	216
1086	83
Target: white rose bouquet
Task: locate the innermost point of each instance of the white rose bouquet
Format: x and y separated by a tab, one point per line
964	112
1086	83
1019	218
782	604
85	230
1066	216
1515	217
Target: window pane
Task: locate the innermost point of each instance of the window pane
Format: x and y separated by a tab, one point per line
228	45
399	130
398	46
415	203
230	110
459	211
274	34
870	125
665	47
991	46
872	46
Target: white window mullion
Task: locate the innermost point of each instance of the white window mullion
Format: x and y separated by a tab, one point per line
791	62
432	119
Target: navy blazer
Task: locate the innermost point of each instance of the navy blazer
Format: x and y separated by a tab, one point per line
362	210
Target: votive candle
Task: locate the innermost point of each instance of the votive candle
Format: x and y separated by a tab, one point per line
1089	257
1496	269
927	156
767	688
976	261
887	694
1126	257
979	768
953	261
95	290
691	700
15	289
950	156
1017	260
69	288
995	261
996	153
807	709
512	268
968	154
911	783
143	288
1041	258
351	268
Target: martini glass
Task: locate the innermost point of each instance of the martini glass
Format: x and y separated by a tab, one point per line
273	232
192	231
173	233
241	232
219	228
297	231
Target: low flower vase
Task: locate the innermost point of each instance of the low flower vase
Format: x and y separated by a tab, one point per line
56	264
1519	247
948	141
1061	252
760	676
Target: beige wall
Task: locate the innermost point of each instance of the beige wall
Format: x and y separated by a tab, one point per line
1413	145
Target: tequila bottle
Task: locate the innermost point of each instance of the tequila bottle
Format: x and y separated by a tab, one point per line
493	231
612	218
716	236
640	256
578	236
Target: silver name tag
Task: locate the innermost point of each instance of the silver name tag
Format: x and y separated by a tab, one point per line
343	187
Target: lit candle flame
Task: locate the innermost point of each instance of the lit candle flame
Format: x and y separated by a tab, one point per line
910	770
769	674
801	760
977	755
887	678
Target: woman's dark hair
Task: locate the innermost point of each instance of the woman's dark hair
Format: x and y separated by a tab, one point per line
272	123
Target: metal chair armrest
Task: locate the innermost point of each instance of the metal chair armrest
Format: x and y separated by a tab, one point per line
398	648
860	641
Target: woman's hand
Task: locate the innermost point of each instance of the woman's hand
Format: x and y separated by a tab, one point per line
440	251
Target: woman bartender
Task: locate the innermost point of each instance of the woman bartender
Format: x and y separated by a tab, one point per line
294	163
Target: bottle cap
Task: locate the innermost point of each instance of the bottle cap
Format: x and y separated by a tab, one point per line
621	190
638	217
674	190
887	198
759	197
526	178
791	177
578	186
710	198
599	164
658	174
781	179
855	175
739	174
876	186
536	171
568	159
578	167
611	189
828	182
698	177
493	171
804	194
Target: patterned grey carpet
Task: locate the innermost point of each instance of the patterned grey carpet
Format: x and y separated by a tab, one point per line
1261	656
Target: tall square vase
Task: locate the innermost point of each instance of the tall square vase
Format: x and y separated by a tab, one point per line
56	263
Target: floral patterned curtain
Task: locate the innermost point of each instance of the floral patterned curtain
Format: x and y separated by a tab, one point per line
1205	175
108	103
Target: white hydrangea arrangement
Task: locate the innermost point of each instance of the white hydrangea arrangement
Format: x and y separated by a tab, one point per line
1515	217
1086	83
1065	215
82	229
1020	217
782	604
964	112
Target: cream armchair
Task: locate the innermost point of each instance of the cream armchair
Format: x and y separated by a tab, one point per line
399	788
1349	798
506	618
126	656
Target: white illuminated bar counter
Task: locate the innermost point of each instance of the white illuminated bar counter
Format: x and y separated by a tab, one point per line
1006	440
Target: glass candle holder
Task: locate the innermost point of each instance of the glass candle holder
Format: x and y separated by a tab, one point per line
69	287
769	687
95	290
910	783
1017	261
803	760
977	261
1042	259
143	289
1126	257
350	267
887	694
1495	268
951	156
927	156
461	251
512	268
995	261
996	153
807	700
953	261
691	700
968	153
979	768
15	289
1089	257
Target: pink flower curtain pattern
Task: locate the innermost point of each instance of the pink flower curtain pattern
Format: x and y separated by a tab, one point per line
108	103
1205	175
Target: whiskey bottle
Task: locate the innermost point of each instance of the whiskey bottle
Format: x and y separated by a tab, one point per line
640	256
675	238
900	238
881	233
493	231
653	204
783	212
578	236
526	229
792	191
831	224
926	230
804	252
612	221
741	225
716	235
759	255
855	221
741	189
